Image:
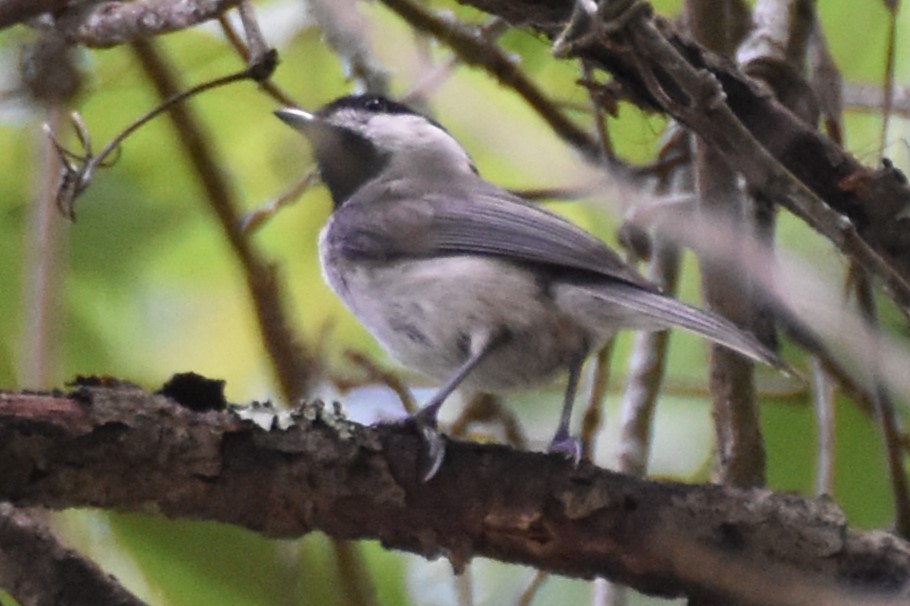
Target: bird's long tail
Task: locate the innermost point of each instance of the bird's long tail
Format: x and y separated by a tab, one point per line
667	312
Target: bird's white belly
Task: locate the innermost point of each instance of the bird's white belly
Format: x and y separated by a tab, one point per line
432	314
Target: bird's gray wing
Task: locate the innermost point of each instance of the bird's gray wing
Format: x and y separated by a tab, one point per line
487	220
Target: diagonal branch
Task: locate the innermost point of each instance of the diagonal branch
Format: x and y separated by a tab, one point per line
36	569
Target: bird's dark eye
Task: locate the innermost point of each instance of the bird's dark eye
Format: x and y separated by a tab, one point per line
374	105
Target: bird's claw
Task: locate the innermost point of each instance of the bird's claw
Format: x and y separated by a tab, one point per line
436	447
567	446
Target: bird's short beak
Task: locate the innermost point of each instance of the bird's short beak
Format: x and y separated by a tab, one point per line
296	118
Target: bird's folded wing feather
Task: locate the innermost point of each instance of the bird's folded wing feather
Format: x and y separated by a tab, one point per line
488	222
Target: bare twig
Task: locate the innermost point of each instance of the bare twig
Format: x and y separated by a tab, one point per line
241	47
253	220
429	81
884	411
532	588
888	79
77	177
592	417
774	53
345	31
45	243
357	588
597	113
827	83
464	587
739	448
377	374
647	360
870	98
824	406
644	378
258	49
484	407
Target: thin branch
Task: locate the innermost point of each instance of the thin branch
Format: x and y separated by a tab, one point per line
597	113
824	406
45	243
345	30
871	98
827	83
377	374
888	80
484	407
644	378
738	444
775	55
257	48
244	51
77	177
593	414
255	219
885	412
532	588
648	358
357	588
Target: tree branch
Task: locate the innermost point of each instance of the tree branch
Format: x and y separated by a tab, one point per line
106	24
317	471
38	570
17	11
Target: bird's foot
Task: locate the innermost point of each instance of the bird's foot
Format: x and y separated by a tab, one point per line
567	446
434	440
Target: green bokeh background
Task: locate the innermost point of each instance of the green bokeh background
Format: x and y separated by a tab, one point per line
147	287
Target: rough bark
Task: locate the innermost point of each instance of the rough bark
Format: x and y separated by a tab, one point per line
112	445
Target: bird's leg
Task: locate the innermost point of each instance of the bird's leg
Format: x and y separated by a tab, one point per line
426	417
563	442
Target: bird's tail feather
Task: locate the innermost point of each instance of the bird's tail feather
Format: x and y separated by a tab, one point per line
668	312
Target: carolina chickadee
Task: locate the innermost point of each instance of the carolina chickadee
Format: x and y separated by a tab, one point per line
462	280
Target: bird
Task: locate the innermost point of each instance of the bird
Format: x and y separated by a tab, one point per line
463	281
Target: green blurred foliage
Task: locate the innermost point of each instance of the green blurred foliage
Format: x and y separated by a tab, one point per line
7	599
148	286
